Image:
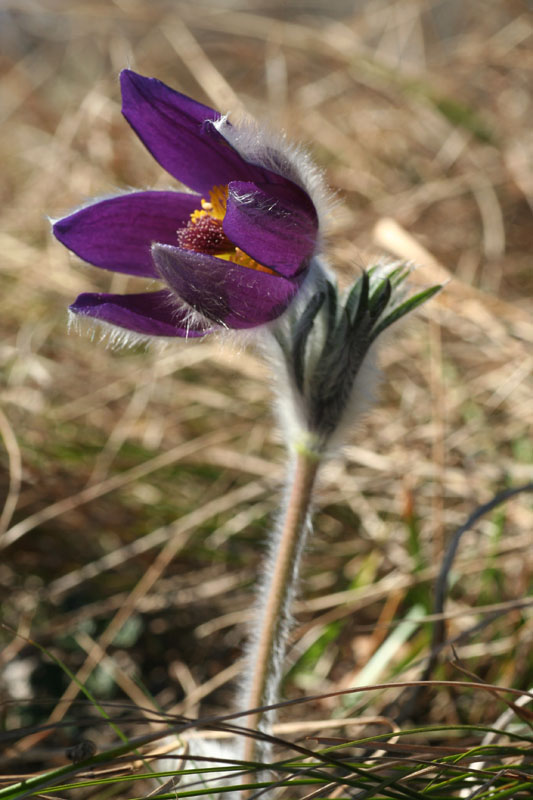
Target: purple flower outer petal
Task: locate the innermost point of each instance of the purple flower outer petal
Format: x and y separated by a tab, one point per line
275	225
179	133
224	292
117	233
148	313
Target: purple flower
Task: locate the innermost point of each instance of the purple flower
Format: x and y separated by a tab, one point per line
234	253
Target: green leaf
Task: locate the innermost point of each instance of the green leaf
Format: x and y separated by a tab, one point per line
301	333
357	302
353	298
379	298
398	275
332	304
403	309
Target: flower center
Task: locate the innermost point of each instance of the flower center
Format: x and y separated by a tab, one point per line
204	235
204	232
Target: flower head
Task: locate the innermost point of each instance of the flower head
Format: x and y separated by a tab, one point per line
233	252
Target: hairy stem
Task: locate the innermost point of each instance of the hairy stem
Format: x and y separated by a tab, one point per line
272	622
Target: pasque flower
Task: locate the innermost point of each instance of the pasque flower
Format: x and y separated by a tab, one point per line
233	252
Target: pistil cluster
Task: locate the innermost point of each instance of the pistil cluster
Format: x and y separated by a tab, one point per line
204	232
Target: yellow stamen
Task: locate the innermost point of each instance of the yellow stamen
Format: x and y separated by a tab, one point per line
218	197
198	214
240	257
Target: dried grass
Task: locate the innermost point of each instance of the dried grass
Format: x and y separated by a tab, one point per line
138	485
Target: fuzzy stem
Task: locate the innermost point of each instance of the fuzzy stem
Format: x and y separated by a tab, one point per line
281	576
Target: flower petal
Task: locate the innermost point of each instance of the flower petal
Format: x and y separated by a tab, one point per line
180	135
224	292
148	313
117	233
275	225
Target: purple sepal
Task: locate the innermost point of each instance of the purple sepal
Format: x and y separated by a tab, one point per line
117	233
226	293
147	313
180	134
172	127
276	225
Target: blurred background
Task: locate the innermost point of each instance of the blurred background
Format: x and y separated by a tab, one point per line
138	485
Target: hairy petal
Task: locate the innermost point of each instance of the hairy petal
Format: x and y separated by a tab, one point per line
117	233
180	135
147	313
275	225
226	293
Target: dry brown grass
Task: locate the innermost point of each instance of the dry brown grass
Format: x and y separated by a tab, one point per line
138	485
